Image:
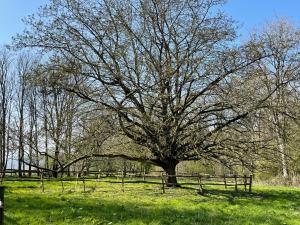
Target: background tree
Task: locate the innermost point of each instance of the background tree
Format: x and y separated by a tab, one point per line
6	84
24	67
281	40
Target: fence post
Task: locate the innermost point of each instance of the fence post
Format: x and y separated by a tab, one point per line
200	185
83	181
163	183
225	182
250	184
77	176
144	174
62	184
1	205
245	182
123	189
235	180
42	181
98	176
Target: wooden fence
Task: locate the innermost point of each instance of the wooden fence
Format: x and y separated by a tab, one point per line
208	180
198	180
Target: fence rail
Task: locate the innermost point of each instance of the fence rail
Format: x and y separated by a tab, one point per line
200	180
203	180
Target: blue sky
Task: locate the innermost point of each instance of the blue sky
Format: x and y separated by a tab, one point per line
11	14
255	13
250	13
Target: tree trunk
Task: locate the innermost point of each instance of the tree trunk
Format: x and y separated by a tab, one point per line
55	163
45	126
170	169
30	148
282	152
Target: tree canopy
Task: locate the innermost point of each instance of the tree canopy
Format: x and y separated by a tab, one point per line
171	71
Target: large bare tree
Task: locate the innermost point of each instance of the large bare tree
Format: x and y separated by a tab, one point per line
169	70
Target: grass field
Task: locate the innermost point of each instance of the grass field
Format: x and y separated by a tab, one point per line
143	203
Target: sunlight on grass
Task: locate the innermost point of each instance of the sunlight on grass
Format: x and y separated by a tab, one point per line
144	203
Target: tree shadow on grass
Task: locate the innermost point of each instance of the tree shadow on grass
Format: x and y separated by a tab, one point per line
8	220
232	193
131	182
270	194
76	210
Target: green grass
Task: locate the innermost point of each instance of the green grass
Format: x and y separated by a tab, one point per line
144	203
